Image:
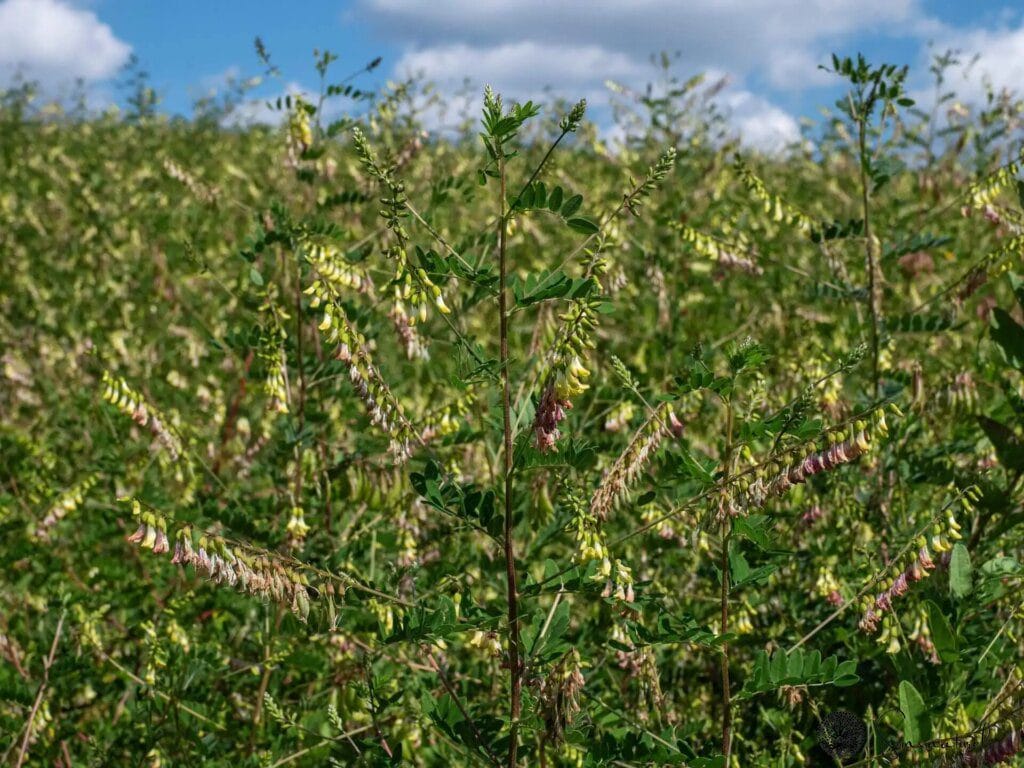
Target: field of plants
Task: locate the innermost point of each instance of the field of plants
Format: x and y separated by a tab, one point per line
347	442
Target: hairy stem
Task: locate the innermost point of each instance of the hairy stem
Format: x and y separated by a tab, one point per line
515	669
869	247
726	535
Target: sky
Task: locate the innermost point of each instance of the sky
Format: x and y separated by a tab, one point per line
768	49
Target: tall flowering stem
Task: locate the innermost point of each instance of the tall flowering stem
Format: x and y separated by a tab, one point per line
515	665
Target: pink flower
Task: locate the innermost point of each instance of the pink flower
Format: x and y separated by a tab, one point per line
161	544
925	559
550	413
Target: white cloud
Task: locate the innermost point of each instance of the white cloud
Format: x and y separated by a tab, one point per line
54	42
1000	60
739	36
524	70
573	46
575	72
760	124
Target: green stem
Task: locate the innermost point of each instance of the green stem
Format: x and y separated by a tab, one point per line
515	667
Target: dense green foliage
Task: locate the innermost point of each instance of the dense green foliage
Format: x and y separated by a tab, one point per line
753	455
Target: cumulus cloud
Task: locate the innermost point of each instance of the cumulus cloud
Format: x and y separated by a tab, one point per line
54	43
574	72
524	69
739	36
999	62
572	47
761	124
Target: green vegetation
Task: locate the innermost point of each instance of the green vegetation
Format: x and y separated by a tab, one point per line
342	443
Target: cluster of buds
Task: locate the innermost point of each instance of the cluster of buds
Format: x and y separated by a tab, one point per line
983	193
772	204
271	352
743	619
66	503
449	419
382	406
920	567
922	636
666	526
413	344
255	573
811	516
618	580
567	376
828	587
620	416
152	530
591	547
559	696
624	472
335	274
300	133
202	192
550	413
131	403
723	255
297	526
413	285
485	641
842	446
275	384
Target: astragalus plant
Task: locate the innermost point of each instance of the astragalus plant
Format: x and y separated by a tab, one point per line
347	443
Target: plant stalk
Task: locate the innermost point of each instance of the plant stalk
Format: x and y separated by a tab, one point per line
869	246
515	668
726	535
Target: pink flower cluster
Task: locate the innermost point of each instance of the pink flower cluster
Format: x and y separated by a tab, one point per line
151	536
819	461
916	571
550	413
811	516
756	493
256	575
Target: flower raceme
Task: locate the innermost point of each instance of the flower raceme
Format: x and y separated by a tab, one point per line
66	503
628	466
918	568
381	404
566	375
256	573
133	404
769	481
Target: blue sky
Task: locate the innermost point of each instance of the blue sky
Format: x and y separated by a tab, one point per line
768	49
